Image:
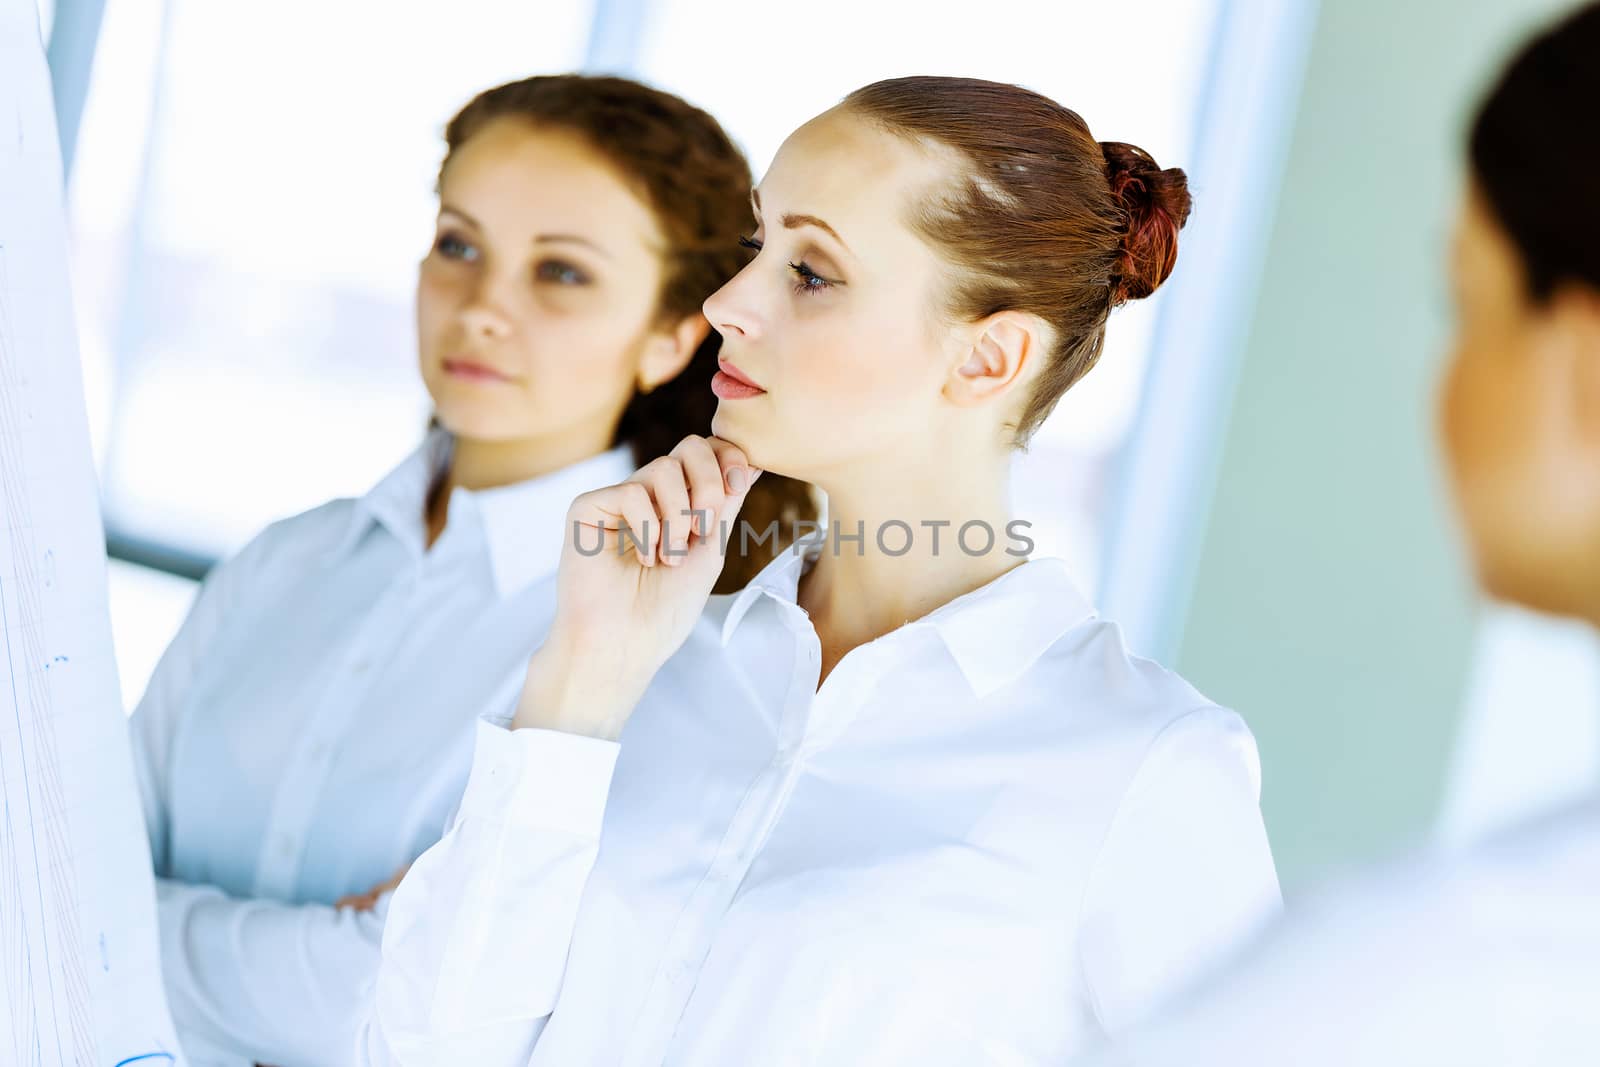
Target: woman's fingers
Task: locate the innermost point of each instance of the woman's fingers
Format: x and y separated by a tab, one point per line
357	902
673	501
625	506
707	488
637	507
669	485
731	458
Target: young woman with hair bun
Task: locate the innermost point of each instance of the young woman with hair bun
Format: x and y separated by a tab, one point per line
901	800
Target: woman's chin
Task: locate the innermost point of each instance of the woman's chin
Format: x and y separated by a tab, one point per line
736	431
471	422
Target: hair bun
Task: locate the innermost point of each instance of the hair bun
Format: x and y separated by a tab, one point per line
1157	202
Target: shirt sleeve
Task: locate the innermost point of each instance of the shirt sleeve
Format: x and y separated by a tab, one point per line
153	726
1184	875
1478	958
477	934
278	983
1312	998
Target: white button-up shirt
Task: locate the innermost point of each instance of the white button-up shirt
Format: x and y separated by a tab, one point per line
1486	959
991	834
310	730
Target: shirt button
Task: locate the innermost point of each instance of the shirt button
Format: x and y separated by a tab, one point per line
359	666
285	847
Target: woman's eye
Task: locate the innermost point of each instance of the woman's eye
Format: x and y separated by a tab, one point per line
559	273
452	247
809	280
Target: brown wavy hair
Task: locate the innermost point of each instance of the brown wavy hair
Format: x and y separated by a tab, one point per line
682	164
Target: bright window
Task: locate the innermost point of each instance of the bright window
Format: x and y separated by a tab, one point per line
253	190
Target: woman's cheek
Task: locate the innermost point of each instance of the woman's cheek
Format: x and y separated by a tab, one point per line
1501	468
433	304
1450	414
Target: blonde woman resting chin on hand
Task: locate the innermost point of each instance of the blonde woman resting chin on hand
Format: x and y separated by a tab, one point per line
895	802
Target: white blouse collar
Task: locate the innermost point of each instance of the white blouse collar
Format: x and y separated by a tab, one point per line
994	633
521	523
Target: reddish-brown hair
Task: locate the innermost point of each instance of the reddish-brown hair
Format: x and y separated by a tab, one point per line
681	163
1043	218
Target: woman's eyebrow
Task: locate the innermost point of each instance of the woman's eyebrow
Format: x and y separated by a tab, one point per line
571	238
543	238
793	221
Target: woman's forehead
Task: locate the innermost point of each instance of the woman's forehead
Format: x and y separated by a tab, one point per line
849	171
524	178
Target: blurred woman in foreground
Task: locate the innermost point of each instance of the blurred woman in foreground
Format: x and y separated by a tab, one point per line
1491	959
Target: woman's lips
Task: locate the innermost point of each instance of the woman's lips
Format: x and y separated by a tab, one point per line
473	372
730	384
728	387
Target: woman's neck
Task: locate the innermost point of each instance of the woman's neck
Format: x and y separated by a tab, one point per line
486	464
857	591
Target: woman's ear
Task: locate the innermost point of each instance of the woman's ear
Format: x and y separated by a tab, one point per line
1001	352
668	351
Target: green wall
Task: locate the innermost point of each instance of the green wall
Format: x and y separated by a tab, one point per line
1330	605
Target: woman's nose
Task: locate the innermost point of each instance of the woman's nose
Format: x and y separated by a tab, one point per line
729	311
482	320
484	314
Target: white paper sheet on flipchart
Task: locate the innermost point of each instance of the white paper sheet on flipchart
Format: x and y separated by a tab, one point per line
78	941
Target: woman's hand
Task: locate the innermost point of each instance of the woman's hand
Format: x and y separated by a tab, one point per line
369	900
637	566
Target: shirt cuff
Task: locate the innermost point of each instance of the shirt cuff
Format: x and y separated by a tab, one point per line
540	778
